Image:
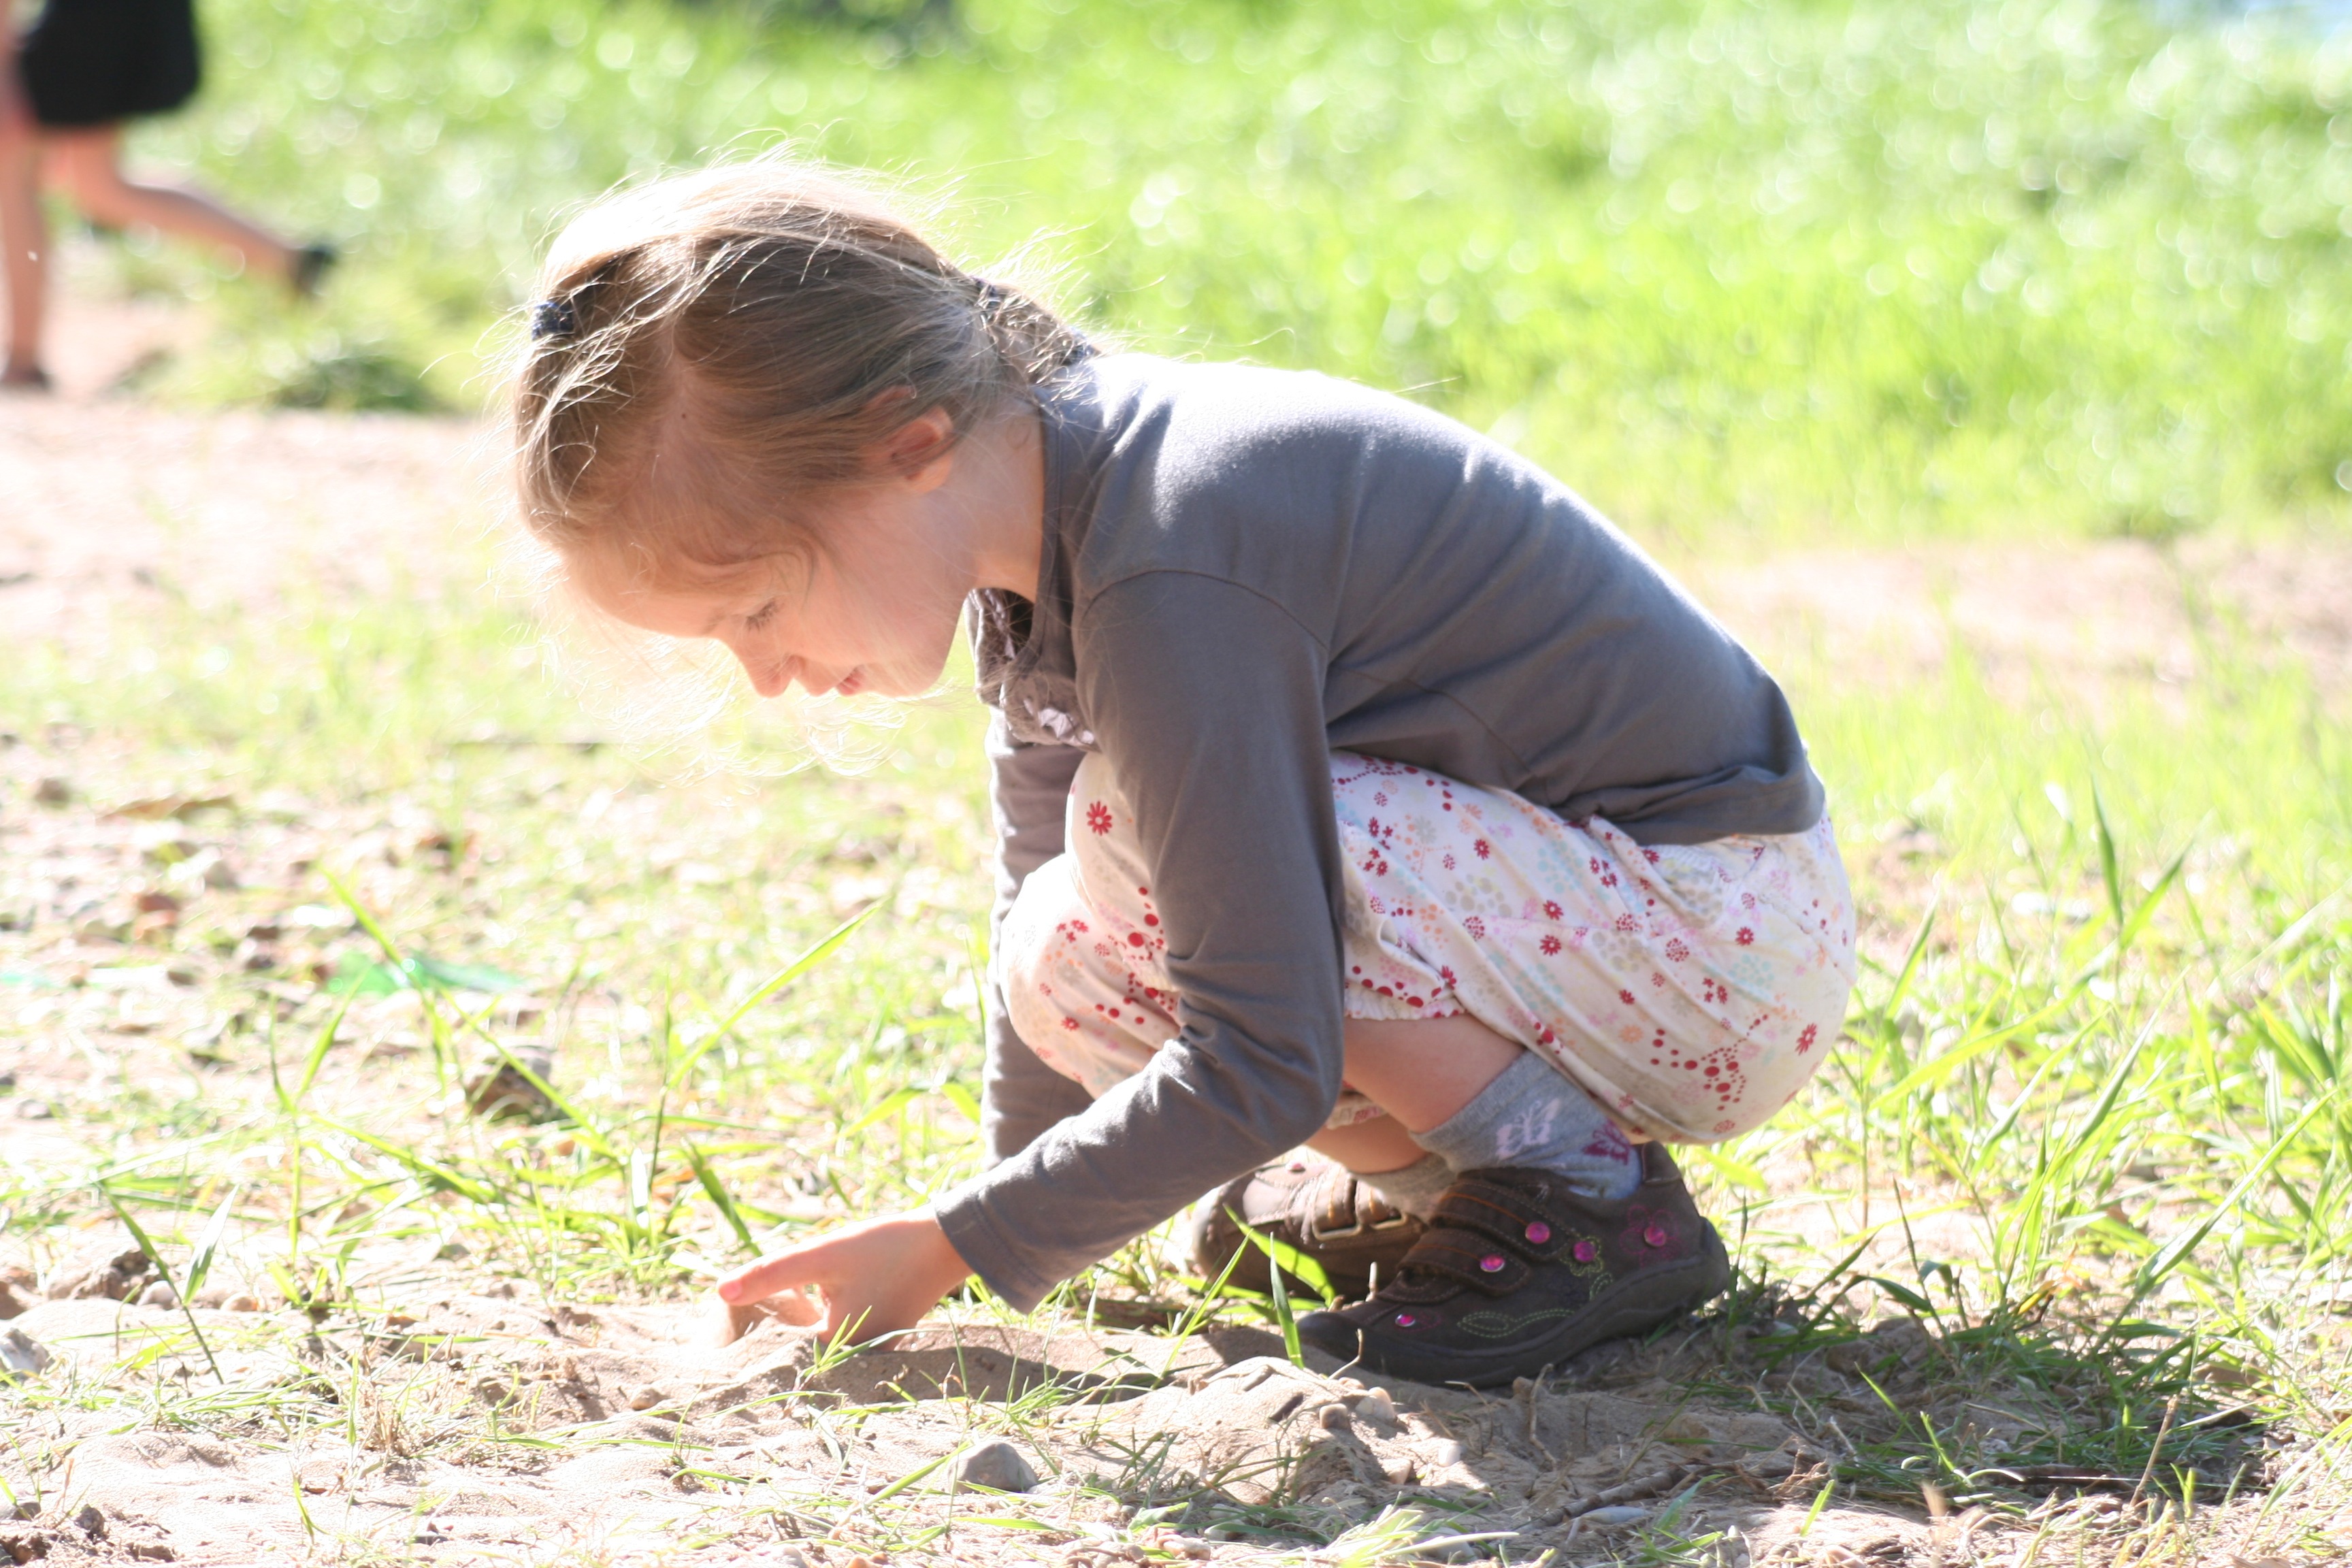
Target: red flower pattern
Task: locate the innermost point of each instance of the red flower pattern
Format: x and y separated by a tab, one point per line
1709	1067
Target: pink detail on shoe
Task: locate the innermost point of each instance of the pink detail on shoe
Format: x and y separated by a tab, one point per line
1585	1252
1492	1263
1538	1232
1406	1319
1655	1236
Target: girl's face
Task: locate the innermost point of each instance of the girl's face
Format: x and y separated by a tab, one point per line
877	611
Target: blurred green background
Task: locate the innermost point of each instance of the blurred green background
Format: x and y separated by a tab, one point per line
2043	267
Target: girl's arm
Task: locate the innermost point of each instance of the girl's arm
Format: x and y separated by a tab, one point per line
1029	792
1208	697
1211	699
883	1275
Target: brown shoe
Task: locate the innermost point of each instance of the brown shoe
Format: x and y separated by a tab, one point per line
1517	1273
1313	1206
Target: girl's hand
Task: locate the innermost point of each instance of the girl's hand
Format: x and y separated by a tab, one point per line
876	1278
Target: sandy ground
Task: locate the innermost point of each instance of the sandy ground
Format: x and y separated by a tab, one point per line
615	1433
640	1415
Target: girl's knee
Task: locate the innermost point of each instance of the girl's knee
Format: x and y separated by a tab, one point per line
1039	919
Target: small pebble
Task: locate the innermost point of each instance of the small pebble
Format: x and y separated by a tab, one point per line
1445	1451
1616	1518
21	1355
159	1294
1335	1418
644	1398
1377	1407
241	1302
34	1111
92	1522
997	1465
1398	1471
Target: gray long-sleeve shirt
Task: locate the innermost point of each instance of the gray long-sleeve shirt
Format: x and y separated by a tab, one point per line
1245	570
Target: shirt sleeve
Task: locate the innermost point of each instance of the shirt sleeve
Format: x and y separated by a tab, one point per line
1207	699
1029	787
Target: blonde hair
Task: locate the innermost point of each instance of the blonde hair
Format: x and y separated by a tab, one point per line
714	351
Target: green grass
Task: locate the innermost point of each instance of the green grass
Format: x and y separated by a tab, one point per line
1885	269
1743	274
2094	1121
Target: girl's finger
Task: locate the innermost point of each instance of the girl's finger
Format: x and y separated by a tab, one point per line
733	1321
757	1281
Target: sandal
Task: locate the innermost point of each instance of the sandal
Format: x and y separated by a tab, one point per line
1313	1206
1518	1272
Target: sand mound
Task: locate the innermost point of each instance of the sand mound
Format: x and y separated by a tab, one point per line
483	1426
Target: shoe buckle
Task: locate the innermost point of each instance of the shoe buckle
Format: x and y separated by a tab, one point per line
1317	1233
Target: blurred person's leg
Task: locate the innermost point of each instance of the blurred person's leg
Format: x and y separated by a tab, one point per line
24	233
87	164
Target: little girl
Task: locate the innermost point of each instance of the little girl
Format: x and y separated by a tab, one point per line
1357	785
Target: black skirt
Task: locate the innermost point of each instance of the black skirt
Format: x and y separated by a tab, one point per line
92	62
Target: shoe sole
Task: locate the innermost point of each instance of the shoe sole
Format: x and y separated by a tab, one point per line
1610	1316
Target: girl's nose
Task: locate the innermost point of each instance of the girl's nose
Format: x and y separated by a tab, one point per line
769	676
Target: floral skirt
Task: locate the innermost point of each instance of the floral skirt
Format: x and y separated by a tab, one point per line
1691	990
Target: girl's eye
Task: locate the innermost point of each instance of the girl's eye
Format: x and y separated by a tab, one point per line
758	619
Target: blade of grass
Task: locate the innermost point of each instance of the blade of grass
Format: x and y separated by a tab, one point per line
155	1261
207	1247
823	950
1282	1312
1288	1259
431	1171
2170	1256
1934	1069
720	1198
1911	960
2109	871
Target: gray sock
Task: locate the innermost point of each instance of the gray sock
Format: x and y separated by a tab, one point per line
1534	1118
1414	1188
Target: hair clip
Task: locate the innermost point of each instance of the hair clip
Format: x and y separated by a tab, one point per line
553	319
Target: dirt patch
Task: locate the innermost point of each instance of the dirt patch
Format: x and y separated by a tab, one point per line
482	1424
2079	618
115	505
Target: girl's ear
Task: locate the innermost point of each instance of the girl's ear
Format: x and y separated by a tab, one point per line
922	450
